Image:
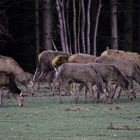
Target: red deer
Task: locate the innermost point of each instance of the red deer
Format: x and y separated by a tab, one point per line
45	64
128	67
111	74
123	54
83	59
9	65
79	73
74	58
7	82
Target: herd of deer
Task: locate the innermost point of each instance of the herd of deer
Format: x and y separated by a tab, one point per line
100	76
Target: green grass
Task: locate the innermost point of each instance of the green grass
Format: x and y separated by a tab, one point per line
43	118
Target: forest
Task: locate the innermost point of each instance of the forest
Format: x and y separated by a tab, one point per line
27	27
41	100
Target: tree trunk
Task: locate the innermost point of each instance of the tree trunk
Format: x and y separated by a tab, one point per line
47	24
96	27
114	29
74	27
128	25
67	26
64	25
60	25
37	38
83	27
79	26
88	27
139	28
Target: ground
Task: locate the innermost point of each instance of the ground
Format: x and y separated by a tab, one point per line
43	118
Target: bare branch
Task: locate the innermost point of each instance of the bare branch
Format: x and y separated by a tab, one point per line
83	27
88	27
61	26
96	26
64	27
67	26
79	26
114	30
74	27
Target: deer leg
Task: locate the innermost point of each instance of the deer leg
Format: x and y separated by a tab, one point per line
113	94
59	91
77	97
85	93
51	86
1	102
61	86
119	93
133	92
42	74
89	85
79	91
71	88
60	97
97	92
58	86
108	92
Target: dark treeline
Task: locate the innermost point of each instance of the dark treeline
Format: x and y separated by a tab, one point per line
28	27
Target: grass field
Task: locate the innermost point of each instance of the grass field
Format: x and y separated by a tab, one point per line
43	118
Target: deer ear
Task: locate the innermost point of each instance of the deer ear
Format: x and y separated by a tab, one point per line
107	48
21	94
108	51
31	83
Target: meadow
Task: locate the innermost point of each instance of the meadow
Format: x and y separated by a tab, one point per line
44	118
